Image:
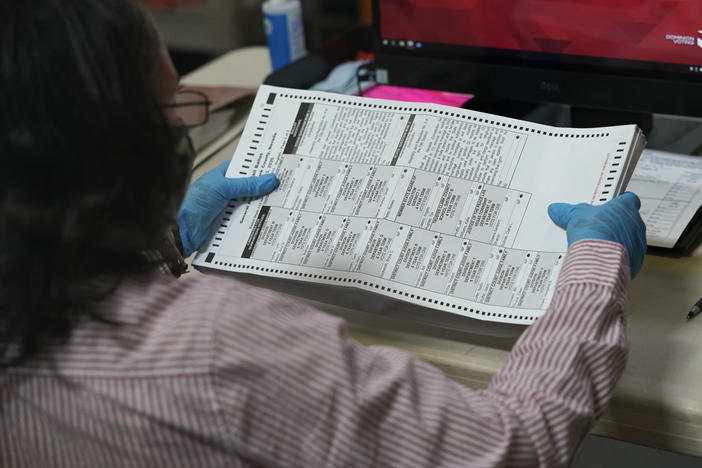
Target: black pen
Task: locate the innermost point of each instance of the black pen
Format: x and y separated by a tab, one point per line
695	309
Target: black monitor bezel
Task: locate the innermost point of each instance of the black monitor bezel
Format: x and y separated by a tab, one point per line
595	82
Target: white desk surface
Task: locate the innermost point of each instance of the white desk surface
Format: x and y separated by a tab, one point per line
658	401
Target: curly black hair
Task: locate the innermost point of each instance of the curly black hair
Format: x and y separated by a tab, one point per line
90	178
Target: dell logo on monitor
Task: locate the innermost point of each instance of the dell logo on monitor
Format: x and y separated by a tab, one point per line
550	86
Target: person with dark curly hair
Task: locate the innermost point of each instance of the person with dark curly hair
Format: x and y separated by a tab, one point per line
107	359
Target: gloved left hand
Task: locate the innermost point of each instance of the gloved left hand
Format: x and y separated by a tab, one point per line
208	196
618	220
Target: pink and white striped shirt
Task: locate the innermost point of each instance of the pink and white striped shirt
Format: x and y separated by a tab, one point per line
210	372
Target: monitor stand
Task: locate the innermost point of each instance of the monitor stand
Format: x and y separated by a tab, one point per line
582	117
560	115
677	134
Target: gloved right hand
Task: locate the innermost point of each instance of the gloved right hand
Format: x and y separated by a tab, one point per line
618	220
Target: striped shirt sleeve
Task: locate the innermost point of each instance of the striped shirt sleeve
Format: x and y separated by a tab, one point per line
292	390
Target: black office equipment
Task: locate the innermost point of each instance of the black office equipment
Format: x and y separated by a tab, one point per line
316	65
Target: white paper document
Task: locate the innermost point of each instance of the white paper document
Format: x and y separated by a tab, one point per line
670	188
437	206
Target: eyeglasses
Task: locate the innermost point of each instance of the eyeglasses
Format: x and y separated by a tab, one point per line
192	107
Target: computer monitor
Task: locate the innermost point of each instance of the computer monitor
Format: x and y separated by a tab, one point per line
641	56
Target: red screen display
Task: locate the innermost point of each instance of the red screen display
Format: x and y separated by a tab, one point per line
666	31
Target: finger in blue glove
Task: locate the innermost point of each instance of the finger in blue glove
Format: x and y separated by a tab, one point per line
618	220
208	196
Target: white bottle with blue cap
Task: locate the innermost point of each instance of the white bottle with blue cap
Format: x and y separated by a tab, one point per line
284	31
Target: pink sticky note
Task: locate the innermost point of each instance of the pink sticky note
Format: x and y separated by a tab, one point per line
418	95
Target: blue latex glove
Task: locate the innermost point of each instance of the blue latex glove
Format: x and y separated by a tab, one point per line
618	220
208	196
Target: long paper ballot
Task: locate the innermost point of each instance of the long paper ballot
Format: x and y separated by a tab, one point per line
441	207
